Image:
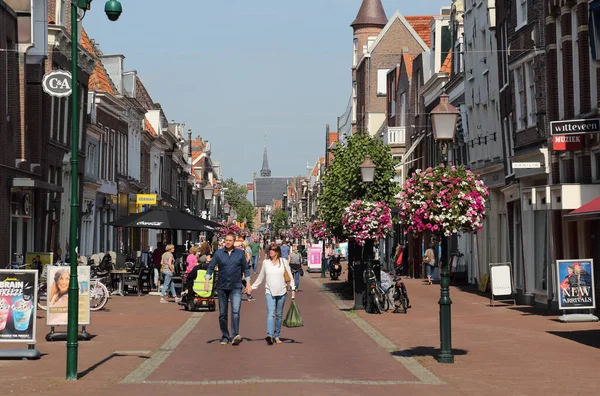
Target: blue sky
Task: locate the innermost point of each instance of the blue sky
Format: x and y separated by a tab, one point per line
235	69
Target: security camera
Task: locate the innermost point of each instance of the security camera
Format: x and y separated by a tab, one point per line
113	9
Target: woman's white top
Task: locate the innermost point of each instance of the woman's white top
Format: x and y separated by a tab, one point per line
273	275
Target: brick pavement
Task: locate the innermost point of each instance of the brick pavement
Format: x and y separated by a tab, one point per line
143	347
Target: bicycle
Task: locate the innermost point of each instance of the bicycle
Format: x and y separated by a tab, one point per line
374	290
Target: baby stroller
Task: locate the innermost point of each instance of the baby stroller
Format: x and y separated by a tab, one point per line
193	298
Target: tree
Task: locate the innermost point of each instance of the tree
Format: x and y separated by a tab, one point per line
343	183
236	194
280	221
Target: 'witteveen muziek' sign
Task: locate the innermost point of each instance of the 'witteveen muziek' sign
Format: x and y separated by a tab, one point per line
18	299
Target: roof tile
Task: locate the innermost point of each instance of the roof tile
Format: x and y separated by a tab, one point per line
149	128
408	63
99	80
447	65
421	24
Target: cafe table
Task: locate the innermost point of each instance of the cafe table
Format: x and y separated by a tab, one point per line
120	275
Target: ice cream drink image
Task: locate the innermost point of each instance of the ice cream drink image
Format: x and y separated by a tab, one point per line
22	314
4	310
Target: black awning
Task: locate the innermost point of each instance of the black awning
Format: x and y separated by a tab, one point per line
26	182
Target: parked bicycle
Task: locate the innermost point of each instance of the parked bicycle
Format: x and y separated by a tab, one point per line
374	298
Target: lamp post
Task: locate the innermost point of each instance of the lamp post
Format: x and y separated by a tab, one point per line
113	11
443	119
208	191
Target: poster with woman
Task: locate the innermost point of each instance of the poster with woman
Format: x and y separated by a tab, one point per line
575	284
58	295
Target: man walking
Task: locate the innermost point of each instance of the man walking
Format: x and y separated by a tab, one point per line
255	247
285	250
232	262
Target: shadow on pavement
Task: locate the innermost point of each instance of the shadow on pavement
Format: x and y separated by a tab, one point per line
245	339
340	289
426	351
534	311
106	359
586	337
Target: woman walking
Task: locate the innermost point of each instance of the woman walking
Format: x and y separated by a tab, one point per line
429	260
167	268
273	272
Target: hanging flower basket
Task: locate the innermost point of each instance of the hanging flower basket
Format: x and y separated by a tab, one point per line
231	228
364	220
319	229
444	199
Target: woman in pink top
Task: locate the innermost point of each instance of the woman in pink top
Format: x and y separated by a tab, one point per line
191	260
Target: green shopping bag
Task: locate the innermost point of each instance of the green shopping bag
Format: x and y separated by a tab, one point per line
293	318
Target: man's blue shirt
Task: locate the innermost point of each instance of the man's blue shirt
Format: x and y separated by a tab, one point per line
285	251
231	266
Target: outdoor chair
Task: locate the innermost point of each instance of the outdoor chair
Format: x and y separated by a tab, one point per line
132	281
144	281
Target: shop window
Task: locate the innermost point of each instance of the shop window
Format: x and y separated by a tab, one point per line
593	29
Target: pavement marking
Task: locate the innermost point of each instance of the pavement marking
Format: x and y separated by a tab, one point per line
283	381
411	364
158	357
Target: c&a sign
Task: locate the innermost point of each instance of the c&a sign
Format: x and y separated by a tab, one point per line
57	83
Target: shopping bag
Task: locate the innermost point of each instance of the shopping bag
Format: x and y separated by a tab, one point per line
293	318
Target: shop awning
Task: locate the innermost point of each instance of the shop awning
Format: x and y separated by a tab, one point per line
22	182
408	153
588	211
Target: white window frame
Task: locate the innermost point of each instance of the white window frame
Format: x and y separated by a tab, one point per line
520	106
530	92
382	81
521	7
354	101
575	58
370	41
355	52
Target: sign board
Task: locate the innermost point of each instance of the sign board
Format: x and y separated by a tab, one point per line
569	127
250	186
526	165
58	300
576	284
57	83
567	142
18	302
37	260
501	284
484	283
145	199
314	258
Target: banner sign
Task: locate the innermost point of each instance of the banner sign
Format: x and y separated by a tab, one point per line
58	299
314	258
145	199
570	127
576	284
567	142
18	300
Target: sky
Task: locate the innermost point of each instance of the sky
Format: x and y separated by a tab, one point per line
232	70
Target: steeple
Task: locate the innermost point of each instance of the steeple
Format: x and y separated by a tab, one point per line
371	13
265	171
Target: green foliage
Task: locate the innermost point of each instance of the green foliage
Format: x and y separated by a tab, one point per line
236	194
280	221
343	183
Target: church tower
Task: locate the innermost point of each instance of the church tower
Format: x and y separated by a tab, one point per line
265	171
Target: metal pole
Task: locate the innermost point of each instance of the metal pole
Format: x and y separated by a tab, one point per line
323	259
72	332
445	303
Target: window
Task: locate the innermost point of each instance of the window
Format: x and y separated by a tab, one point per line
370	42
61	13
531	105
521	13
458	55
403	109
504	56
355	53
382	81
91	161
354	101
578	166
520	98
575	60
596	166
594	29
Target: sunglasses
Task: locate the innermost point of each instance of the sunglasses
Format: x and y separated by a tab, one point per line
273	249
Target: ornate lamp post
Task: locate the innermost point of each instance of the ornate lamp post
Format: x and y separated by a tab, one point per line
113	11
208	191
443	119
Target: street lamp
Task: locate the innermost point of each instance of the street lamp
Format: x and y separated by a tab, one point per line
367	170
113	10
226	208
443	119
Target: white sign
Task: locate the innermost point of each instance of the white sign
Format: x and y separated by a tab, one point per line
57	83
58	295
526	165
501	279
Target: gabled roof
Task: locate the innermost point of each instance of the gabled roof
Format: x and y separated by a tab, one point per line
99	80
408	64
399	17
447	65
149	128
333	137
422	26
371	13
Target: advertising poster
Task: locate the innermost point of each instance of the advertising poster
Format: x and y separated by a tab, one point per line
575	284
58	295
314	258
18	289
38	261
